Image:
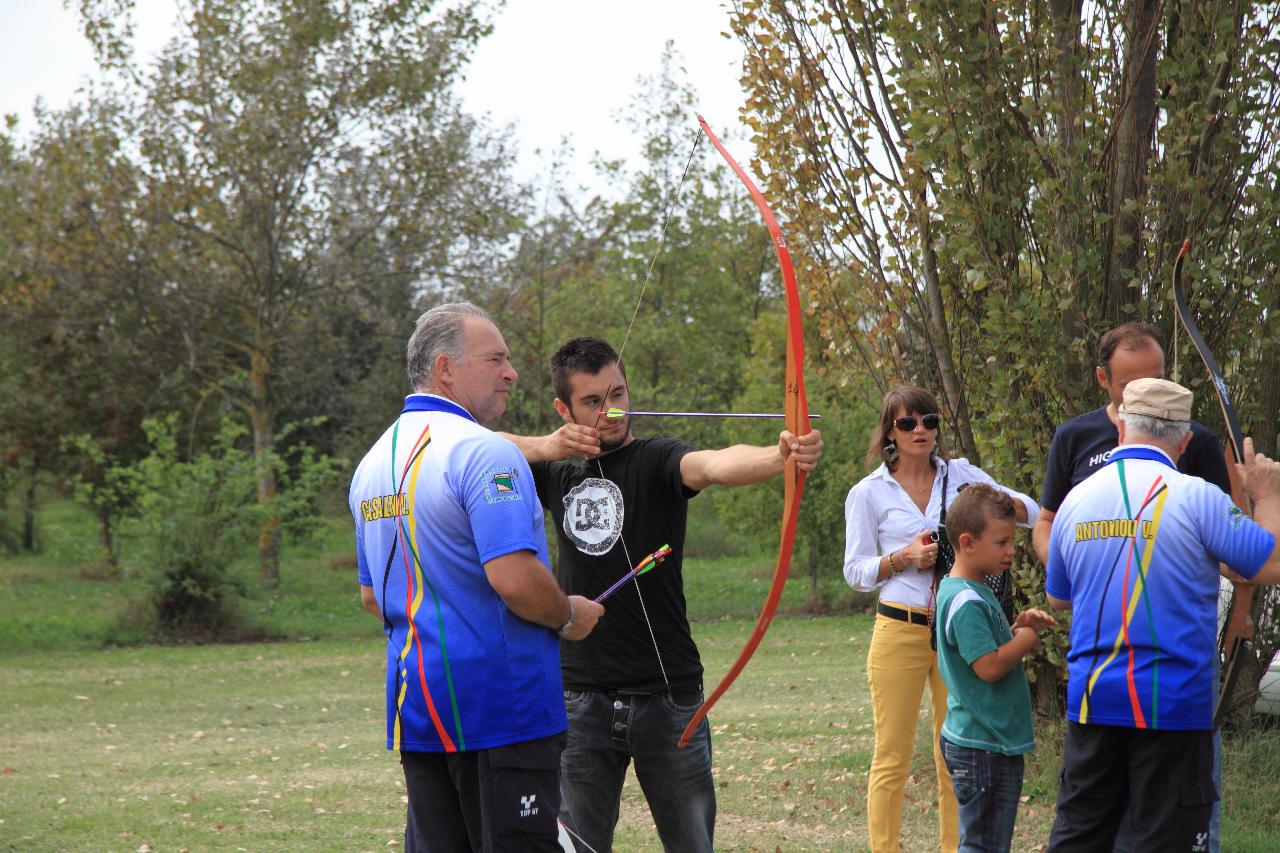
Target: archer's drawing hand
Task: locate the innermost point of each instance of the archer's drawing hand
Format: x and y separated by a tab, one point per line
805	449
573	440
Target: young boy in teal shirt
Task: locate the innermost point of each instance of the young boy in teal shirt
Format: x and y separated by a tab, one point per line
988	726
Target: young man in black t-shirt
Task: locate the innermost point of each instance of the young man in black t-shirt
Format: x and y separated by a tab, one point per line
630	692
1083	444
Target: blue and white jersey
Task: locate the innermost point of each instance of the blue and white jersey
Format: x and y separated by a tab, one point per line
437	497
1135	549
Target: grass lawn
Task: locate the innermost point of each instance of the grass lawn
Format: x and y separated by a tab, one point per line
279	746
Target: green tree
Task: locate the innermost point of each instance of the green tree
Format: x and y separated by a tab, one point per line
301	170
979	190
80	357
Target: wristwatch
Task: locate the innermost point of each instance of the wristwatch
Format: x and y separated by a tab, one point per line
567	626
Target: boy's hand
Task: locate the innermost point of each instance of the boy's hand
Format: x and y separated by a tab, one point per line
1036	620
1035	636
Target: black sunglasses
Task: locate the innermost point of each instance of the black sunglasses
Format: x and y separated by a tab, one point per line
907	423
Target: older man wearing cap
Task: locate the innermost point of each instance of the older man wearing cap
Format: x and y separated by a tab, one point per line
1134	551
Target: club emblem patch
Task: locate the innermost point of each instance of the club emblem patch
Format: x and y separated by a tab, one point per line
500	485
593	515
1235	516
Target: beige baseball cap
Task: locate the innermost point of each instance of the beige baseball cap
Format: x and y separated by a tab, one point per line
1157	398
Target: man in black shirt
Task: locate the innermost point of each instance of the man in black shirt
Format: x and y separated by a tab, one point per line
630	692
1083	444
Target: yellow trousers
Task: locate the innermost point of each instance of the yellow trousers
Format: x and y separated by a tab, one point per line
899	665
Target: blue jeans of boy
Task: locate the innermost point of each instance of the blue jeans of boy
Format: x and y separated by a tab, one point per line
987	787
607	731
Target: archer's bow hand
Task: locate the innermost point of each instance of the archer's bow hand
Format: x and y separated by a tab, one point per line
1261	475
806	449
573	440
1239	626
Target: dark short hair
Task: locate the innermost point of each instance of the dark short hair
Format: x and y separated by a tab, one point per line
581	355
976	504
910	399
1128	336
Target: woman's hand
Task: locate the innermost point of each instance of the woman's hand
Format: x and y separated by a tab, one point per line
921	552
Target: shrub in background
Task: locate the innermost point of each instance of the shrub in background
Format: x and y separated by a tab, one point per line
192	519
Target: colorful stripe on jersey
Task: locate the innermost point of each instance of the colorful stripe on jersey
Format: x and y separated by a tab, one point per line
415	581
1133	590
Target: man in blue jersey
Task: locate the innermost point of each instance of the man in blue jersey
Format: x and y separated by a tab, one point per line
453	559
635	684
1134	551
1083	444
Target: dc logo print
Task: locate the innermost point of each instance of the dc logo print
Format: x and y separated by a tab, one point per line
527	807
593	515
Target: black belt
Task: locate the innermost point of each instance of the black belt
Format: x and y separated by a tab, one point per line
680	697
901	615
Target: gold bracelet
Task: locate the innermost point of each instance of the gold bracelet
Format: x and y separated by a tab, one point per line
894	571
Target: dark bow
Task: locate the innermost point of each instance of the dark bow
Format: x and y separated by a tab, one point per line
1235	442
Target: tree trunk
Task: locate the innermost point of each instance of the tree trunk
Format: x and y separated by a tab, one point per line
1263	429
1068	121
29	509
107	536
262	414
939	339
1131	150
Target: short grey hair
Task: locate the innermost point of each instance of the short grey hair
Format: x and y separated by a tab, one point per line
438	331
1165	432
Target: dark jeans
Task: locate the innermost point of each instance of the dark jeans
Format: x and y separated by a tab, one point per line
607	731
987	787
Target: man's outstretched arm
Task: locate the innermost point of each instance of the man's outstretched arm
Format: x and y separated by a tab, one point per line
743	464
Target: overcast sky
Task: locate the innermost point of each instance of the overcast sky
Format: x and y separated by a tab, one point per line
552	68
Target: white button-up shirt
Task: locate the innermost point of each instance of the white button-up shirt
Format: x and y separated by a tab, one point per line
880	517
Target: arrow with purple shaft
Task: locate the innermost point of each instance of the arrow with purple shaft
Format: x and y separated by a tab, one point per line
641	567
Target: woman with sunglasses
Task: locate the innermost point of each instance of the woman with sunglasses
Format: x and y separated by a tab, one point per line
892	517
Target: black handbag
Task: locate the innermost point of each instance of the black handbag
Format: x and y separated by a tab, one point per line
942	564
